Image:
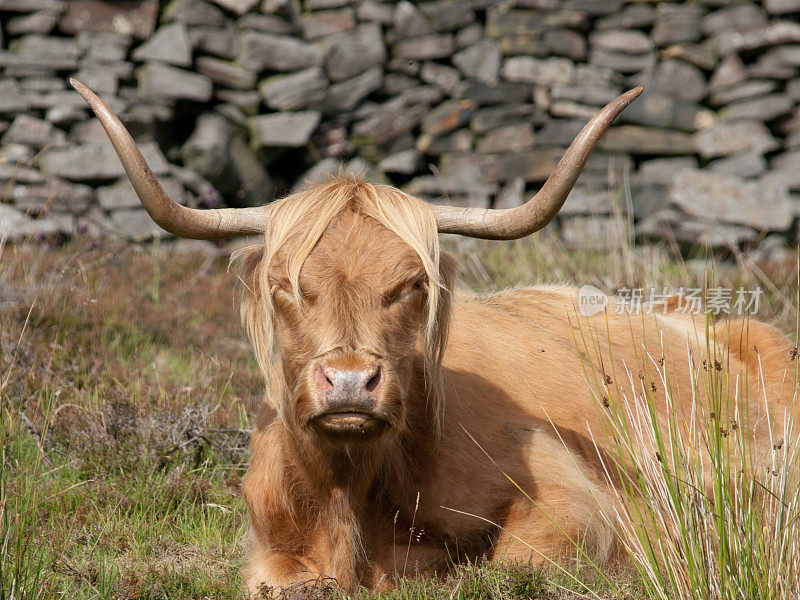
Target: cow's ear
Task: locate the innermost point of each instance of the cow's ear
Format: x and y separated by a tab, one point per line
448	266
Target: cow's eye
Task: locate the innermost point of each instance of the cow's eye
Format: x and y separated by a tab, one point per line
403	292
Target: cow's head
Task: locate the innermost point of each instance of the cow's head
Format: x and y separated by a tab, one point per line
349	288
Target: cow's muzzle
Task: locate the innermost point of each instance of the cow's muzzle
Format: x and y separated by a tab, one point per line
349	400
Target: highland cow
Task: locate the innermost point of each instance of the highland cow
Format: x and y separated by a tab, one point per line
402	417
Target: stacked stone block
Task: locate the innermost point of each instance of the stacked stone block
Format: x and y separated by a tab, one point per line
463	101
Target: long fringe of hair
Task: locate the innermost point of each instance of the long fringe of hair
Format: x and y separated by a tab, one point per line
307	215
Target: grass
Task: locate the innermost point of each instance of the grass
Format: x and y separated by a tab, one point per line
126	393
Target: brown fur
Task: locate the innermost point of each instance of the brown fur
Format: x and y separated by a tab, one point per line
511	385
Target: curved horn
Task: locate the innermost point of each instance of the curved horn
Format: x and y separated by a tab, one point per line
184	222
514	223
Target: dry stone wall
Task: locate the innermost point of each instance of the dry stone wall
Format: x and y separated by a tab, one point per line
465	101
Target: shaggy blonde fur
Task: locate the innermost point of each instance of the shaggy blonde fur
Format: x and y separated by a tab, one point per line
351	274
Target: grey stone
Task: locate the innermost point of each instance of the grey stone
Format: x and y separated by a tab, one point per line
422	94
136	225
724	139
765	108
405	162
661	171
238	6
625	41
267	24
483	93
658	110
396	83
647	140
54	194
524	45
319	24
289	130
535	164
388	122
458	141
319	173
214	41
495	117
773	34
104	47
195	12
33	132
596	8
502	22
699	232
16	227
100	79
346	95
702	55
782	7
738	17
248	183
480	62
16	154
161	81
677	24
511	195
675	78
560	132
353	53
647	199
730	199
96	162
322	4
593	95
448	116
170	44
730	71
404	66
12	99
508	139
122	195
787	56
567	109
743	164
455	191
425	47
303	89
444	77
226	73
408	21
742	91
586	200
372	10
469	35
447	15
20	174
137	19
260	51
623	62
206	150
786	160
46	46
593	233
768	66
41	22
635	16
547	72
565	42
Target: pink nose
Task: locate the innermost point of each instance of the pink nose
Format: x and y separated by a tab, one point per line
343	385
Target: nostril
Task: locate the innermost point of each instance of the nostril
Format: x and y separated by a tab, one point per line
323	379
374	381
